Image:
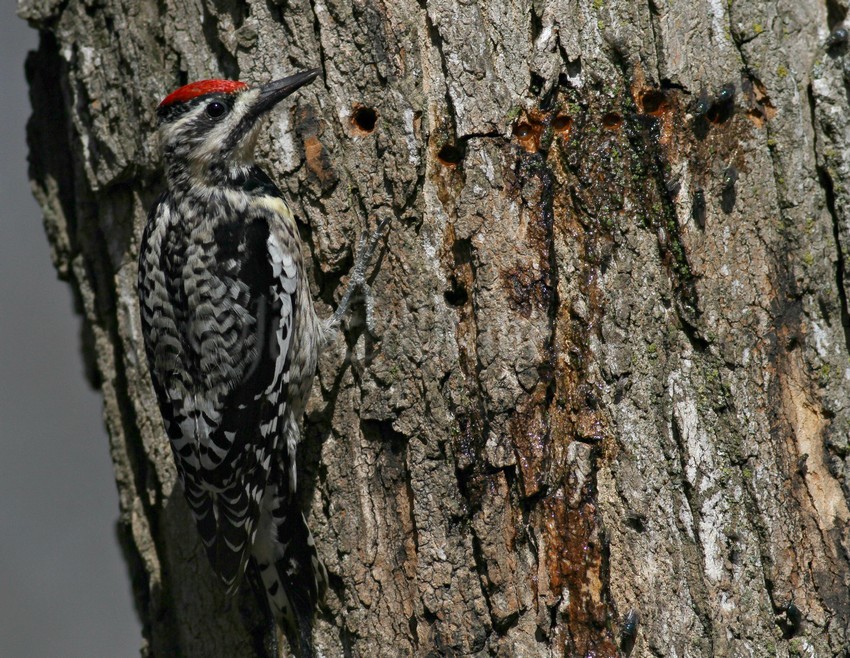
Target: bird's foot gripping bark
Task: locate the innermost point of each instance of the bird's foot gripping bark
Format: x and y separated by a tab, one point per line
365	250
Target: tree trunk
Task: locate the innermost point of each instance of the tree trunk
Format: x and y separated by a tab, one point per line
611	357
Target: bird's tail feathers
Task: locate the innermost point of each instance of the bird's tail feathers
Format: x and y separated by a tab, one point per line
292	574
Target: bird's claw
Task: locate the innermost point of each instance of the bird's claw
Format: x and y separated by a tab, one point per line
366	246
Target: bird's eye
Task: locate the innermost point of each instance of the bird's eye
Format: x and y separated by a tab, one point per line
216	110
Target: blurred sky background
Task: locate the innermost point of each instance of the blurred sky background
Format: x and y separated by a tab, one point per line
64	589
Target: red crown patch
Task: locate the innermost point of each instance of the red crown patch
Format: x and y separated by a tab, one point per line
200	88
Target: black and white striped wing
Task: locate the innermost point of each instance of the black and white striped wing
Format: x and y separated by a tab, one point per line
221	321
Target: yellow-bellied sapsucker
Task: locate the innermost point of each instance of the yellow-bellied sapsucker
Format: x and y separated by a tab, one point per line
232	340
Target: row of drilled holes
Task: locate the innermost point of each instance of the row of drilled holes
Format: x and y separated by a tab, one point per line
365	118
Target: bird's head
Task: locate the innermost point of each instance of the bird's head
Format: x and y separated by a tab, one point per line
209	128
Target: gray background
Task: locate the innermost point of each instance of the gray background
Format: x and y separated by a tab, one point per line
64	590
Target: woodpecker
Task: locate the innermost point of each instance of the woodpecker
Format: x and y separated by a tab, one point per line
232	341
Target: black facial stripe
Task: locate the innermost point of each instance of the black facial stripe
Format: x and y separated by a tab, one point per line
241	129
174	111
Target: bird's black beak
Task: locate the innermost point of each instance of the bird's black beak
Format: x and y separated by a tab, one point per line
274	92
270	95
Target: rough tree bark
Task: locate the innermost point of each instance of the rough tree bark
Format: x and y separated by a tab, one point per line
611	362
